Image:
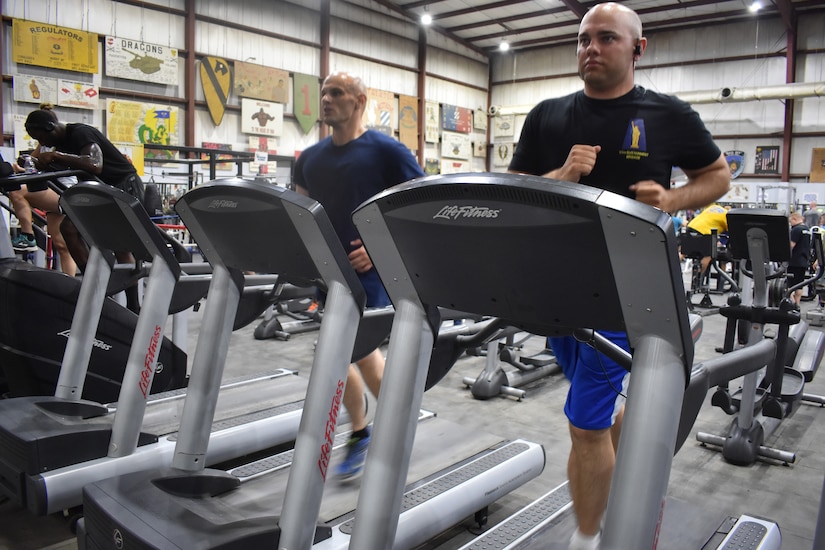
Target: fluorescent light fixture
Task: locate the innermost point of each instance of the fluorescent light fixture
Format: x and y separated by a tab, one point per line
426	19
504	46
755	6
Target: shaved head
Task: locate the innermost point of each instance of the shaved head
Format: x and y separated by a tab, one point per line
622	15
610	43
351	83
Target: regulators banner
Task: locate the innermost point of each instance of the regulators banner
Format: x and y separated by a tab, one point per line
52	46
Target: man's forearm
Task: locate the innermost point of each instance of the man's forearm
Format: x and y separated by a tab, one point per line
704	187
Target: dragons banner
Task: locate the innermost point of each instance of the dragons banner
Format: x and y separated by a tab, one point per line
136	60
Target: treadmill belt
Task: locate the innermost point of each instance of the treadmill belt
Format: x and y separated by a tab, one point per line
438	444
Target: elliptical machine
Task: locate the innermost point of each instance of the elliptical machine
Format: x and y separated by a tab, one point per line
506	369
768	396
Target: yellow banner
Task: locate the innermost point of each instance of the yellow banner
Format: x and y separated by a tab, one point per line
408	121
48	45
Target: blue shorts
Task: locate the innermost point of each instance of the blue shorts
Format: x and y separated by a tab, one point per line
376	293
592	402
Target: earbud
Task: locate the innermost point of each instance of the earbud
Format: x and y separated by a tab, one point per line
638	49
49	126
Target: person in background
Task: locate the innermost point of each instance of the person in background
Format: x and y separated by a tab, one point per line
812	215
82	147
626	139
40	196
800	254
340	172
677	223
713	217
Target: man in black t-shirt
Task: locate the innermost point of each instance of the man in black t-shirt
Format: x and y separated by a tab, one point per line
83	147
616	136
800	253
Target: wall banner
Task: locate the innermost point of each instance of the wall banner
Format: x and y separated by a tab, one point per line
456	119
817	165
767	159
259	82
80	95
52	46
408	121
306	101
216	80
35	89
379	113
136	60
264	118
431	126
455	145
736	163
133	122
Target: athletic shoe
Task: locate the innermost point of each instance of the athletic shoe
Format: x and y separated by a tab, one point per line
353	464
24	243
583	542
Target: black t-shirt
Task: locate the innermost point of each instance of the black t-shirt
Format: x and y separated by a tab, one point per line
801	252
116	167
643	135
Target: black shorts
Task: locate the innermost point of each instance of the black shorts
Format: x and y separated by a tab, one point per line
133	185
796	274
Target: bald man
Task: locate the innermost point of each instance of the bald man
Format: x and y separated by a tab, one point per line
341	172
616	136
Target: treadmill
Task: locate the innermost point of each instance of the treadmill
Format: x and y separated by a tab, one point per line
50	447
454	473
32	344
420	237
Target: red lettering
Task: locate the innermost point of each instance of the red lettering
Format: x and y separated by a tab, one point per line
149	361
329	432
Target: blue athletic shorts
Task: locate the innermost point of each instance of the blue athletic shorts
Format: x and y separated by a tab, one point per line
592	402
376	293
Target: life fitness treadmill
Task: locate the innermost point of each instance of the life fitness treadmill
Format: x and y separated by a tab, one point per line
455	472
50	447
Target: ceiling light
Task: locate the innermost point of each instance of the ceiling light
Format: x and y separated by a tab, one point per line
755	6
504	46
426	19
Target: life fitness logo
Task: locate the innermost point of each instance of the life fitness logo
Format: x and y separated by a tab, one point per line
117	538
454	212
329	432
148	361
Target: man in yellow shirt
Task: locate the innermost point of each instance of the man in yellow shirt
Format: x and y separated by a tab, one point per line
712	217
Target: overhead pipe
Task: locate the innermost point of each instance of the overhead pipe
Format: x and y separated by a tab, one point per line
794	90
785	91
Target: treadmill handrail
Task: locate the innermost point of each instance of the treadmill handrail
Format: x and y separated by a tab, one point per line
423	237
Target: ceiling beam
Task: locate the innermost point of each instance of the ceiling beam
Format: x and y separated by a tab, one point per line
788	13
575	7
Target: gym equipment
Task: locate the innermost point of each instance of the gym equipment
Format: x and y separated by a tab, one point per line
188	506
32	344
695	247
420	237
50	447
496	379
291	302
35	325
816	316
760	236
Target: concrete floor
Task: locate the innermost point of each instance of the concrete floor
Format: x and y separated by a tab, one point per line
700	477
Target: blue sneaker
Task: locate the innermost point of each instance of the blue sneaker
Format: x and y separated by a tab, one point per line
353	464
24	243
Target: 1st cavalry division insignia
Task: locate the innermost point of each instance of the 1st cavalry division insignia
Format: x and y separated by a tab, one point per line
216	79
